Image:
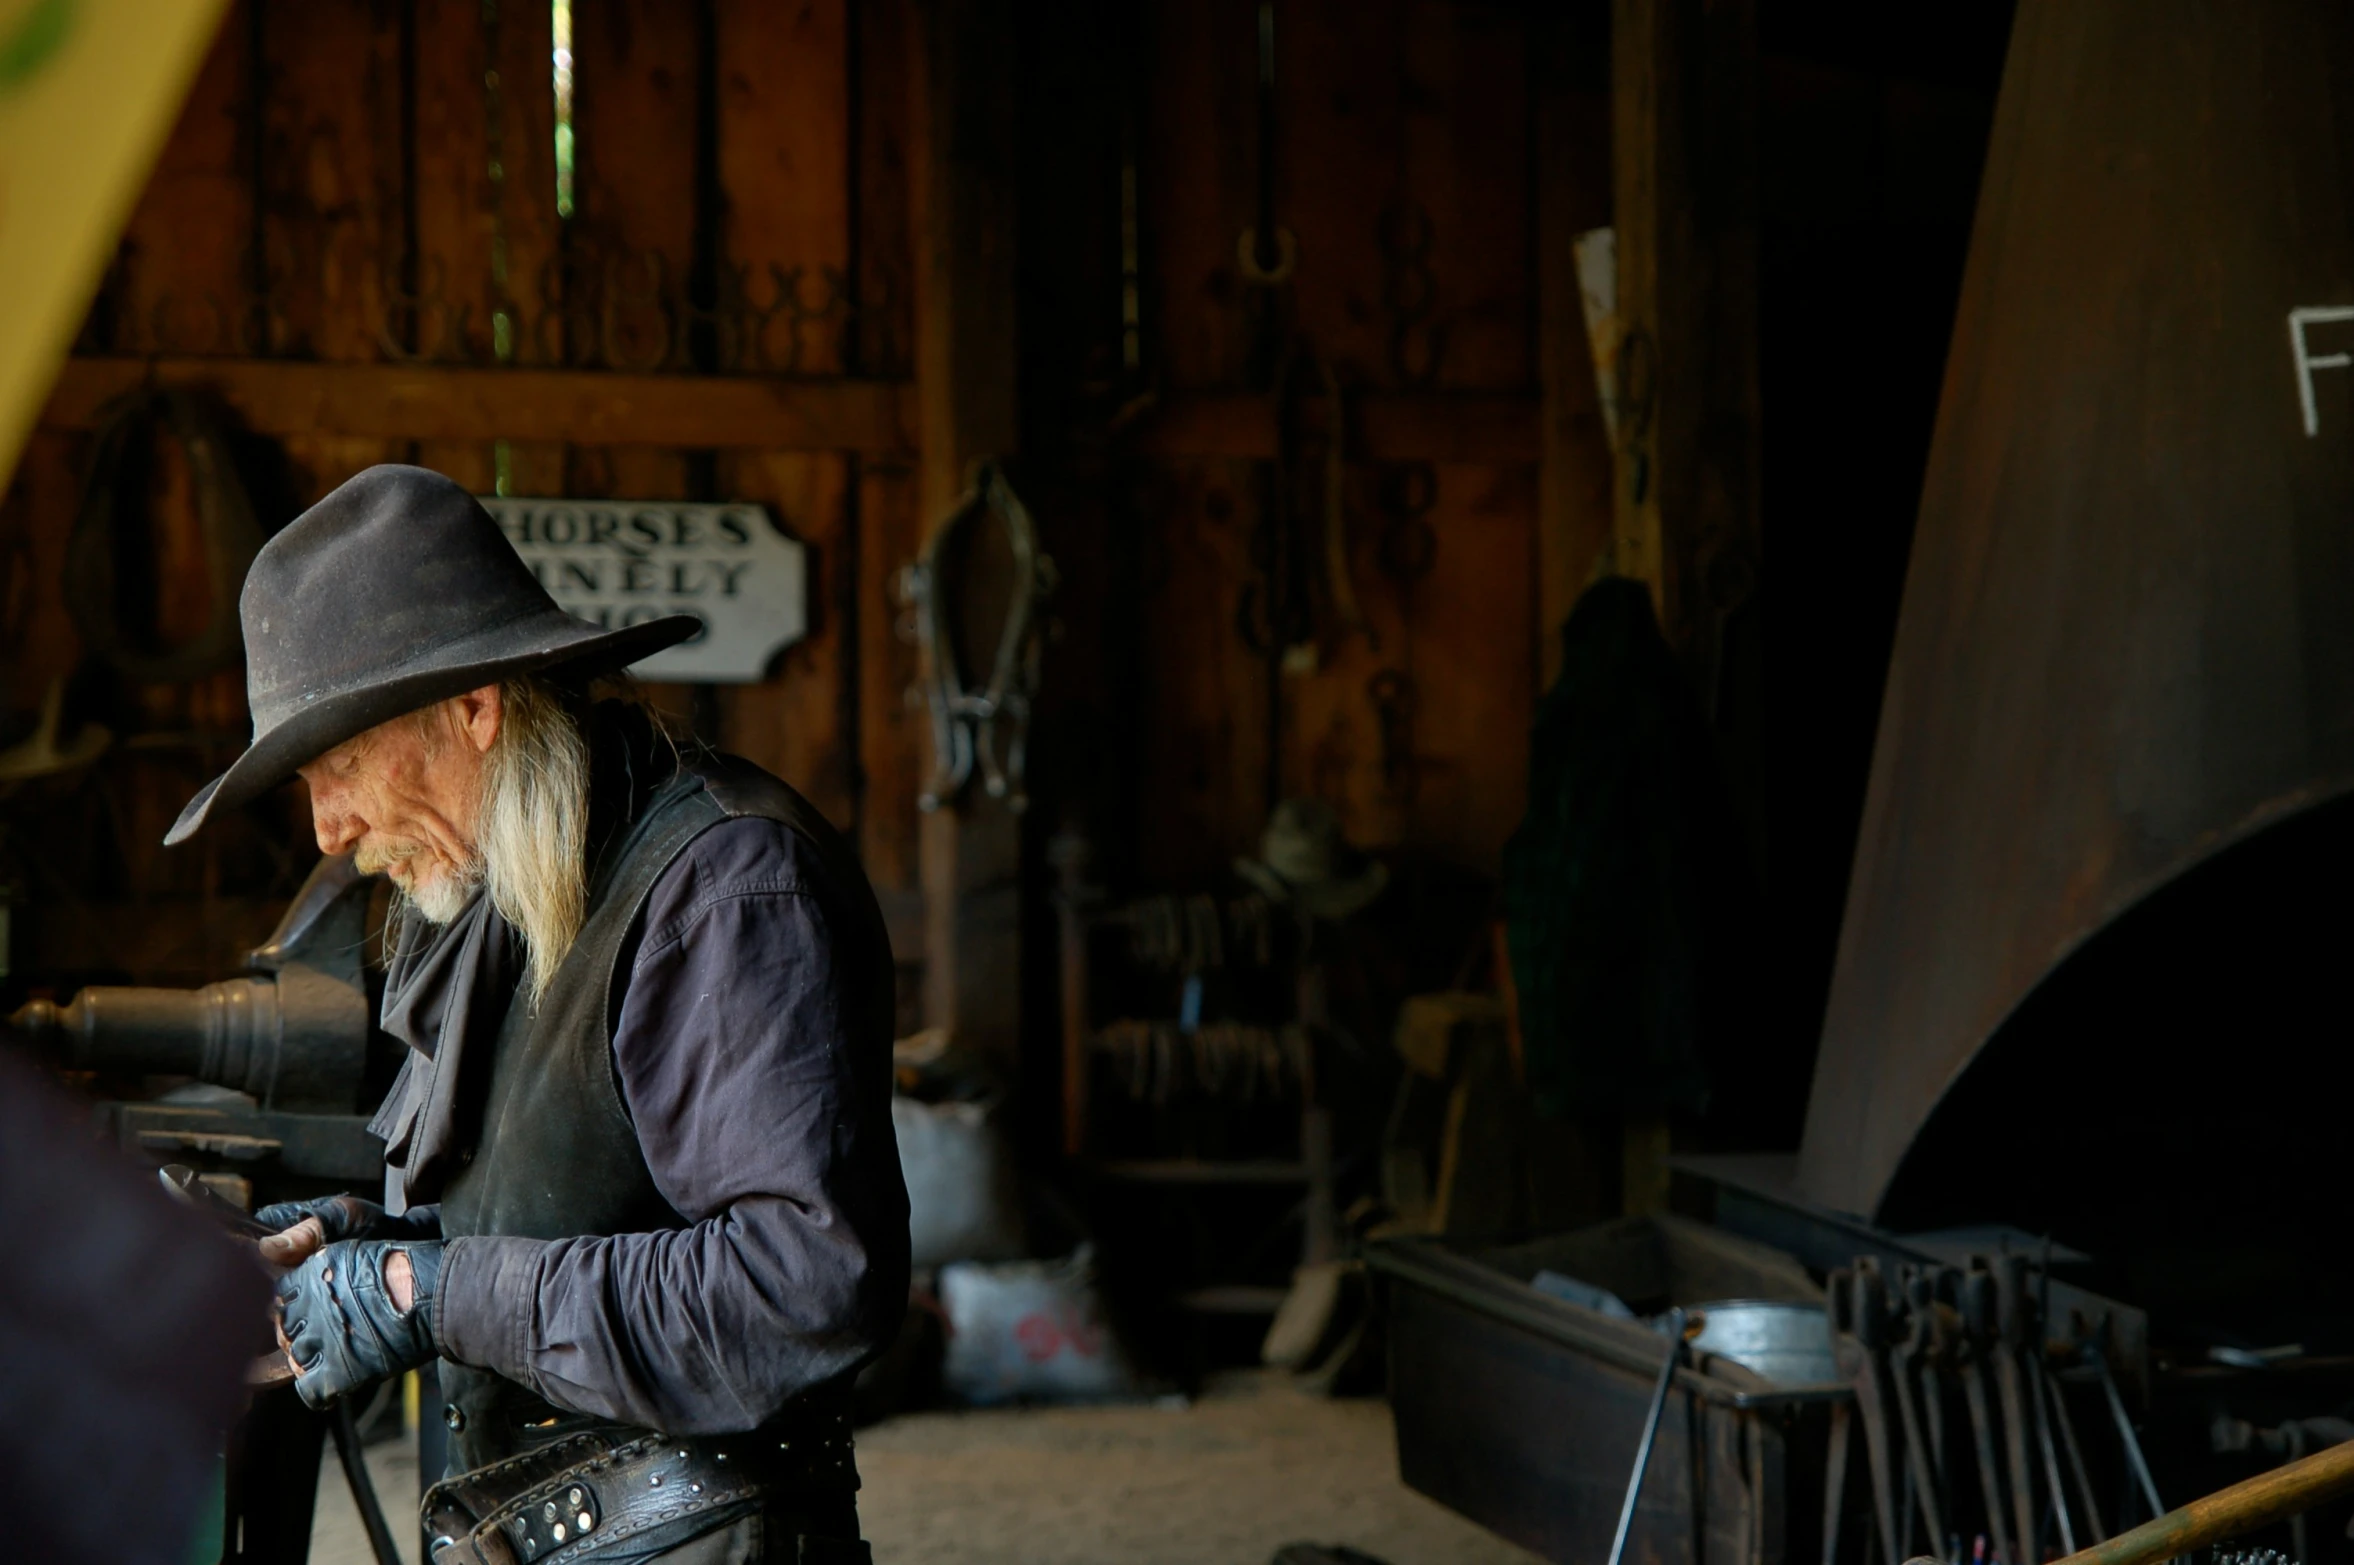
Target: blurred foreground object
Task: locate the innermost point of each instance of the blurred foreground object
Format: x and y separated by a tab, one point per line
2230	1513
88	89
126	1321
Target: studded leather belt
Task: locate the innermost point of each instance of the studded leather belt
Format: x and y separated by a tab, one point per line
593	1493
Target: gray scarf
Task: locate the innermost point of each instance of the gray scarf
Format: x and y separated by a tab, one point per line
447	991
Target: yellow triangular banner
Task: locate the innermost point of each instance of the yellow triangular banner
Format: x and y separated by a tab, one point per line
88	91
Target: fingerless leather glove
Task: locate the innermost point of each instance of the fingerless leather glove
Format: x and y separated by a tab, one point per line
350	1217
340	1320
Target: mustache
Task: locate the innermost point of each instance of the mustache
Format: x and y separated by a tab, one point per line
374	858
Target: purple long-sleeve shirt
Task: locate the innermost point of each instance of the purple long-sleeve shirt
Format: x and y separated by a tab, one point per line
736	1055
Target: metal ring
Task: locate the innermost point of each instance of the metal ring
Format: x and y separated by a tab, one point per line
1246	257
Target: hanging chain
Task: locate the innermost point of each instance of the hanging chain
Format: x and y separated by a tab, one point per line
494	139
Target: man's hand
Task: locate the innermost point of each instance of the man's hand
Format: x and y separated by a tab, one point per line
357	1311
290	1247
306	1225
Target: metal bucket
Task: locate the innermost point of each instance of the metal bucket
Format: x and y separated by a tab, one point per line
1789	1344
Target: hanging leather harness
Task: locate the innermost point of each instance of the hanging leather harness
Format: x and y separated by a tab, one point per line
93	555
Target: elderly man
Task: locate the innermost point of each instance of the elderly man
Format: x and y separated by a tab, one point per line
642	1195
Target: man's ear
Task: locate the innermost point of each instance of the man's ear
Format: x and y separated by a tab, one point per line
479	713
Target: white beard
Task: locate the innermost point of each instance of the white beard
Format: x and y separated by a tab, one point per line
439	897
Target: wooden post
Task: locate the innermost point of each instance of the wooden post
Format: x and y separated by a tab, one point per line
486	220
638	115
784	173
890	732
1070	856
1683	87
1683	106
963	196
1575	524
487	229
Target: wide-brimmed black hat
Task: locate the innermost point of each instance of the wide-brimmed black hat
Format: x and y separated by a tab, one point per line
394	592
1305	860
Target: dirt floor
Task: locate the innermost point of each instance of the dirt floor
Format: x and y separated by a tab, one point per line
1225	1480
337	1538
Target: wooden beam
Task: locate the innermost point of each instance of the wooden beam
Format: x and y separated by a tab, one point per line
962	151
452	402
1495	428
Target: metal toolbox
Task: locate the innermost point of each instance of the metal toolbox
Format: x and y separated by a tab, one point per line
1523	1411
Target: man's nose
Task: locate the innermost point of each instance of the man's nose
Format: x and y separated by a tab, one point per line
338	826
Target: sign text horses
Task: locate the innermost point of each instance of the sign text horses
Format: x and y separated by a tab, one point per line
623	562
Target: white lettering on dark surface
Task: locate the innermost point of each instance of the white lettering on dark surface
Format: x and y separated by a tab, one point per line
2301	354
619	563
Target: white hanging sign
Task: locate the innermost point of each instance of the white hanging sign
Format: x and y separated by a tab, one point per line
624	562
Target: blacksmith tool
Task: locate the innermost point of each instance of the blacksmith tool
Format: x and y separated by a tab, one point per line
1835	1471
267	1370
2023	1341
1942	1330
2054	1485
2007	1279
1974	1295
1265	253
1907	1359
1859	1344
187	1186
2088	1504
1677	1329
2096	1352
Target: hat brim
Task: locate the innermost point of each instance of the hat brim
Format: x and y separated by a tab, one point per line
1328	899
536	645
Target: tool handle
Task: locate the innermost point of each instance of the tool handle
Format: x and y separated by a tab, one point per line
185	1185
2227	1513
1674	1325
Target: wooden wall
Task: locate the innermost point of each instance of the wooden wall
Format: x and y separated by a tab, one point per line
369	183
1404	169
363	182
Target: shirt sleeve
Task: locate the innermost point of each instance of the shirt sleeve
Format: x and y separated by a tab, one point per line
765	1120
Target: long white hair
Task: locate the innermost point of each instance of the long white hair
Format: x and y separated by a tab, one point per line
532	831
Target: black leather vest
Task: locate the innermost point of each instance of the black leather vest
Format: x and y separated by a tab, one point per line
557	1156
